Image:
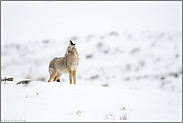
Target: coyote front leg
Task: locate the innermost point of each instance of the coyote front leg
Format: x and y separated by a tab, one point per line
74	76
70	76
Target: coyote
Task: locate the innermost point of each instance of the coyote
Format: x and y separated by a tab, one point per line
65	65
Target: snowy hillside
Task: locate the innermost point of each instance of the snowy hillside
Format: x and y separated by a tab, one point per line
132	60
121	76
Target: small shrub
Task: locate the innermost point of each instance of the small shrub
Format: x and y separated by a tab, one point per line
109	116
124	117
78	112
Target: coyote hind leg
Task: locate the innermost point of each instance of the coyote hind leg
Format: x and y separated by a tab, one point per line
52	75
57	77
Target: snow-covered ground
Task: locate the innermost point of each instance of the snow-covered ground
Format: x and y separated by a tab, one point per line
123	73
41	101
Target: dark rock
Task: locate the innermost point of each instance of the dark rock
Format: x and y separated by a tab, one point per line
105	85
135	50
46	41
162	78
7	79
23	82
106	51
176	55
113	33
94	77
128	78
89	56
176	75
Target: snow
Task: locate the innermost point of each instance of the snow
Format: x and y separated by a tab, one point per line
40	101
122	74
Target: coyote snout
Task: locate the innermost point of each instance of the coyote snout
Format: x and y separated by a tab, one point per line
65	65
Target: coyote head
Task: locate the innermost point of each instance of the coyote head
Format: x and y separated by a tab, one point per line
71	48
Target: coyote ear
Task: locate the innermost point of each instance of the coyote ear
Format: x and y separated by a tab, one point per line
71	43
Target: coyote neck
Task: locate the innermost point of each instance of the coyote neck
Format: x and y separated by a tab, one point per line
72	53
